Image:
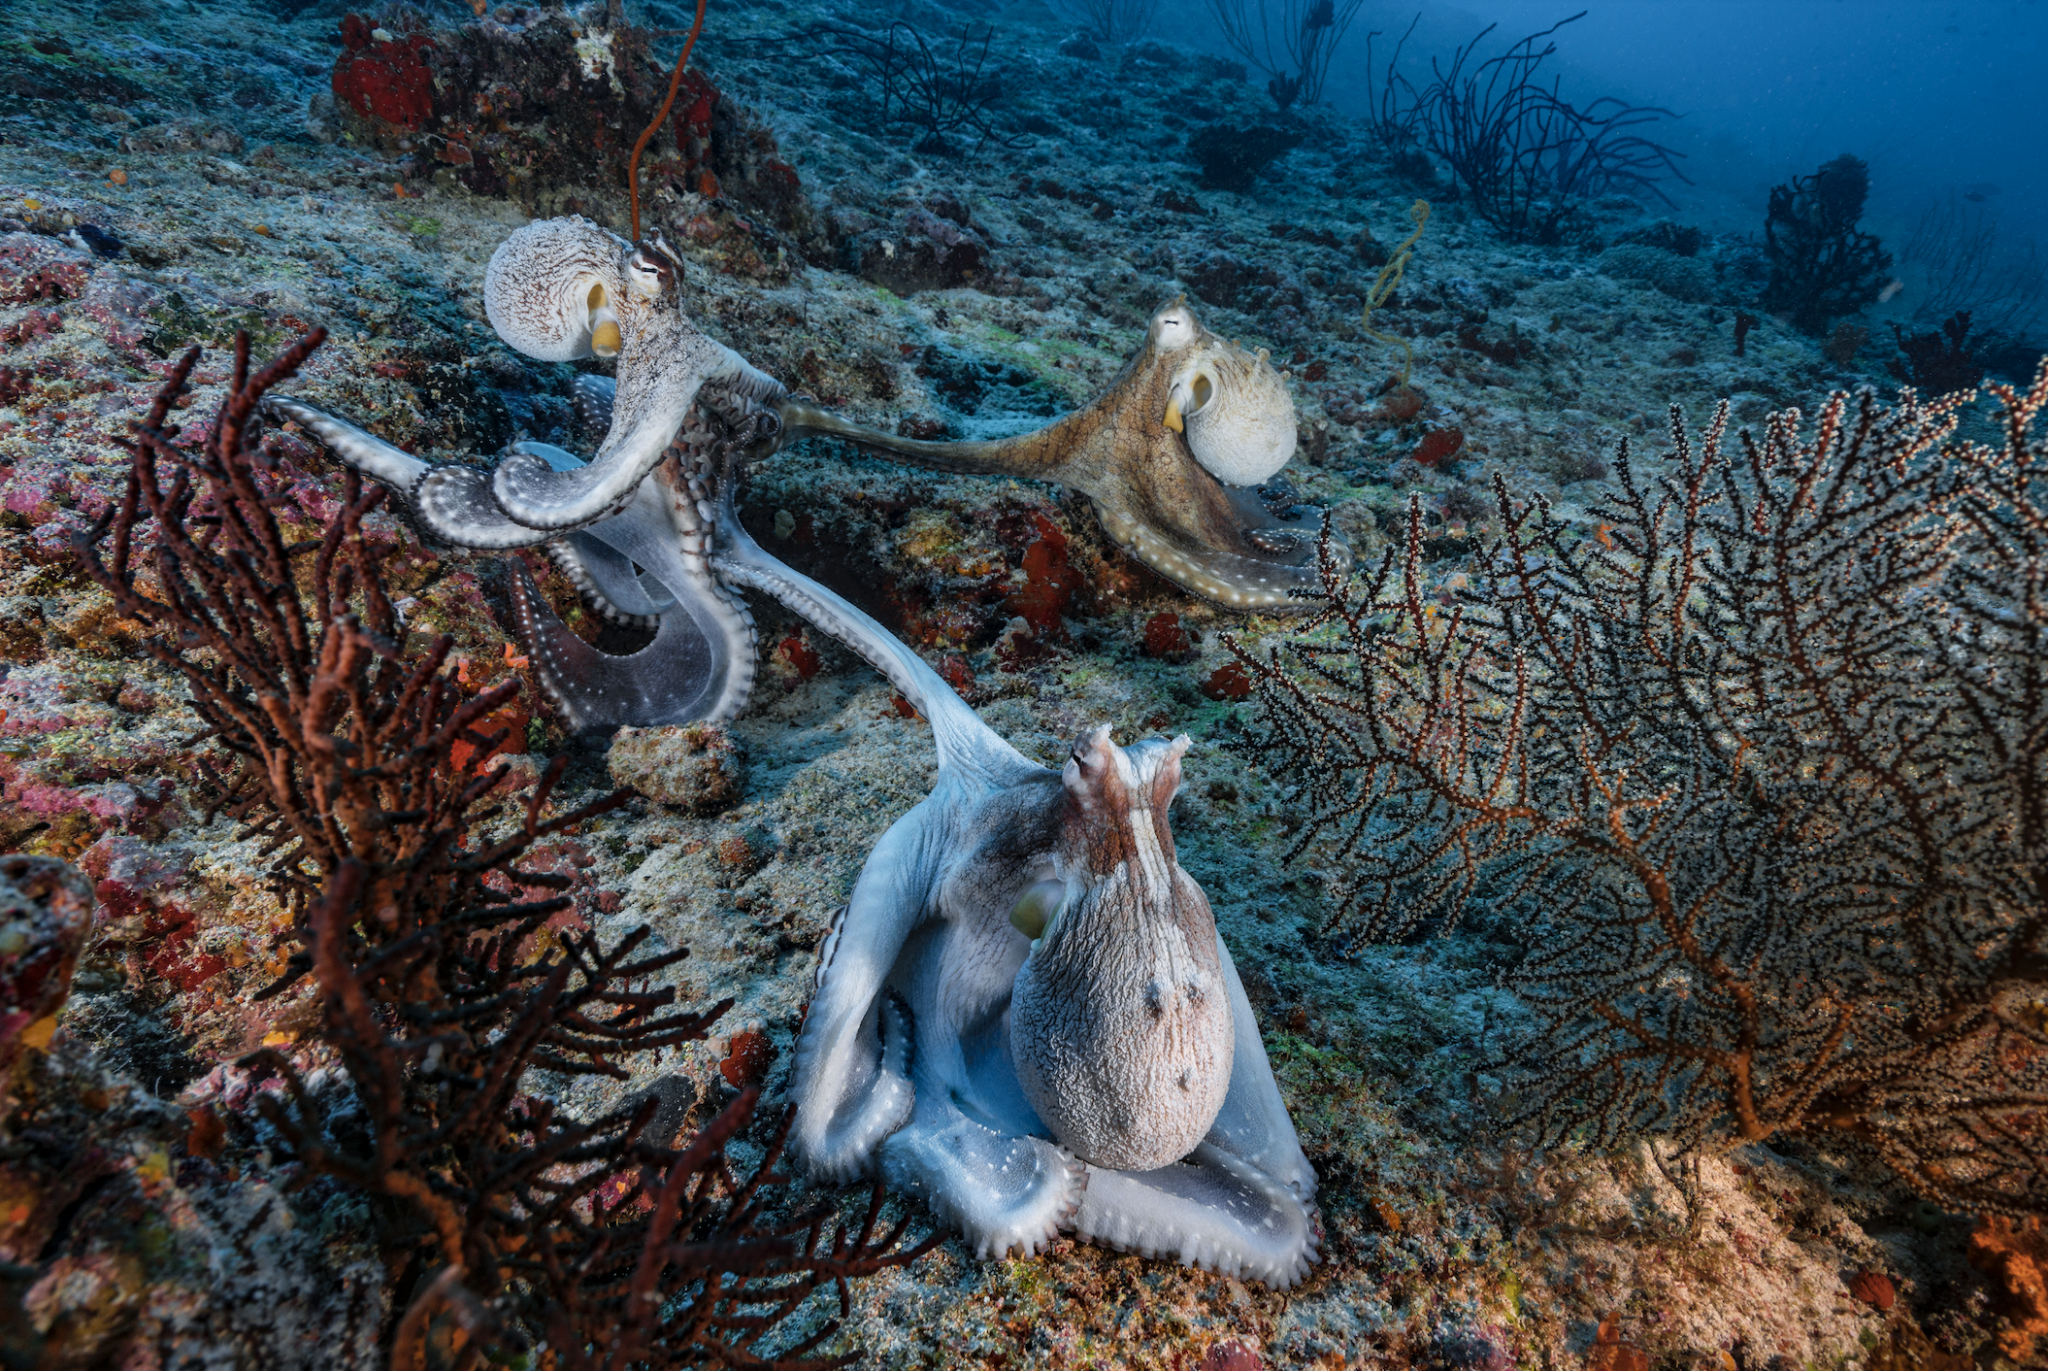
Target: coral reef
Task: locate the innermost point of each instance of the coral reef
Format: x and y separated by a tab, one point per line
1310	31
419	929
191	173
1527	159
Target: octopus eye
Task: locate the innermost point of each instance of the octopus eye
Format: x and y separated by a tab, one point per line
1038	908
650	271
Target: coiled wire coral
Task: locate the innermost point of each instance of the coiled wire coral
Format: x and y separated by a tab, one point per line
1759	768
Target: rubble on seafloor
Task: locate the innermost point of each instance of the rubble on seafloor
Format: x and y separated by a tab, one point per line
171	175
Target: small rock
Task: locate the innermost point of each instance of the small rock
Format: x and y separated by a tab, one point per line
1232	1356
45	918
697	767
748	1058
745	853
926	253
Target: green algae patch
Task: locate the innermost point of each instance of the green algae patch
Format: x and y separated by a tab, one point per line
177	322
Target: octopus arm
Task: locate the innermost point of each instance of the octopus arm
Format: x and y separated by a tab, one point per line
964	741
608	580
700	665
1009	1195
1211	1210
852	1085
680	677
367	453
454	504
532	493
1253	1124
593	397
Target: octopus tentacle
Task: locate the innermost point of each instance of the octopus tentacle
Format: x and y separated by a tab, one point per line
606	581
391	466
592	397
1212	1210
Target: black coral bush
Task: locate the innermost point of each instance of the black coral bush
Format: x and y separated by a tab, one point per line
1759	764
511	1228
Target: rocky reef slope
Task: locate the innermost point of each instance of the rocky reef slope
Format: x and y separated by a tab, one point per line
173	175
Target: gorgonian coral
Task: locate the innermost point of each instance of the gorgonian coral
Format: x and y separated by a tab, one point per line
1757	766
509	1225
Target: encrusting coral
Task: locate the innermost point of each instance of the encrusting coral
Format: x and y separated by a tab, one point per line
1754	768
507	1225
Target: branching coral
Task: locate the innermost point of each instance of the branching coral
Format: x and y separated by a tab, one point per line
1758	764
1822	265
1526	156
1965	266
1113	21
1938	362
1309	32
505	1220
940	96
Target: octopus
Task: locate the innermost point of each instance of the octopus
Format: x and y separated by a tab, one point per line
1025	1013
632	527
1179	456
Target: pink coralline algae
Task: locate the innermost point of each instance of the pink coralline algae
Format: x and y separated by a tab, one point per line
35	268
135	882
121	305
35	324
30	705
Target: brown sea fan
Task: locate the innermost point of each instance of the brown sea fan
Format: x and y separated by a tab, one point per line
509	1225
1760	764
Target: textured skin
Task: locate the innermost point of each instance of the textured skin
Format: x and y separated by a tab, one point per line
534	285
1151	492
537	287
1119	1022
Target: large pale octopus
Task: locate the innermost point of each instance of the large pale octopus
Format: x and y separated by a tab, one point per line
1025	1013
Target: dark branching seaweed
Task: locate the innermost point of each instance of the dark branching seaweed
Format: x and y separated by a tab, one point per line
1822	265
941	97
1394	112
1938	362
510	1226
1309	32
1761	767
1525	156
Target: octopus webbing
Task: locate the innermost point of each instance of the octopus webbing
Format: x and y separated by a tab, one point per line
1176	456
